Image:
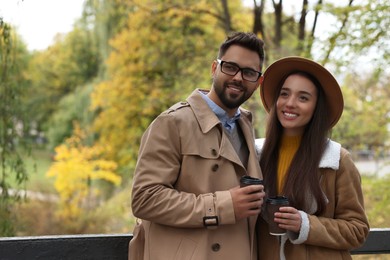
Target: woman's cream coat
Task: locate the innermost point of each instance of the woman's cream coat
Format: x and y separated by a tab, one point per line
342	227
186	166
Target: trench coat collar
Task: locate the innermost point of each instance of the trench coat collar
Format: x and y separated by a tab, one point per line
202	111
208	120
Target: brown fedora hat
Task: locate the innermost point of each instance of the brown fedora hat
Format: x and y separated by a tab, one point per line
280	69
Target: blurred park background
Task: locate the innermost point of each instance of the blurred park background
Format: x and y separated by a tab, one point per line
72	115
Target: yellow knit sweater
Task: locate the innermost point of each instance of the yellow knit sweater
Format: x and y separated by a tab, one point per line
288	147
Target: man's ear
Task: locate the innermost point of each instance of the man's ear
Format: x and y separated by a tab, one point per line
214	67
261	79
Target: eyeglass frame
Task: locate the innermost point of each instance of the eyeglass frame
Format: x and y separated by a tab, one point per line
221	62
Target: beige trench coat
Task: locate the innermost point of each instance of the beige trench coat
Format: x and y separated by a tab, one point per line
342	227
186	166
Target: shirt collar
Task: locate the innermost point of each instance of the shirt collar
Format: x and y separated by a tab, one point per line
228	122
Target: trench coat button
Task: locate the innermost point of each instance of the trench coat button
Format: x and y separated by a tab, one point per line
214	152
215	247
215	167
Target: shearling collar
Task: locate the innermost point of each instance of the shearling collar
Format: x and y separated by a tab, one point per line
330	158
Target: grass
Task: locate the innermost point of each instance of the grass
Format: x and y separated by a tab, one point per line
377	204
37	165
377	200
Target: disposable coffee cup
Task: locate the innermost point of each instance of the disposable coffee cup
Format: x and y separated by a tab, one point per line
247	180
273	205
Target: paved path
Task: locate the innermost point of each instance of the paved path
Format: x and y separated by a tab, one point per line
34	195
374	168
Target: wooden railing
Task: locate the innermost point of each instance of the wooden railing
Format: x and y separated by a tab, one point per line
112	247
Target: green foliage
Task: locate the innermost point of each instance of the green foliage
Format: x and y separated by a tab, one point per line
368	30
360	31
107	18
13	58
364	124
71	108
59	71
6	223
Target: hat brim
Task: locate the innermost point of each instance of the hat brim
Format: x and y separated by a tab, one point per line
280	69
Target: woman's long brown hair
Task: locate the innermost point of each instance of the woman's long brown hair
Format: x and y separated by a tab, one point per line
303	174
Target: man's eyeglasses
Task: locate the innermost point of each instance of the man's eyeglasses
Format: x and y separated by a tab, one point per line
232	69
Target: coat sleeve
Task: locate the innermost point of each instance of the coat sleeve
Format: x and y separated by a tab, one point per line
348	227
154	196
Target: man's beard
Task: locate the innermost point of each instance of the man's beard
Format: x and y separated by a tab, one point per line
229	100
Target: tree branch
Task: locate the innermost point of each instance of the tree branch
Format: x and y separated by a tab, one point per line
309	42
332	40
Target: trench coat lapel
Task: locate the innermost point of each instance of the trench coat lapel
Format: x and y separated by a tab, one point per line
228	152
207	123
253	167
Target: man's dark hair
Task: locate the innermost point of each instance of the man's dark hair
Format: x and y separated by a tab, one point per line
246	40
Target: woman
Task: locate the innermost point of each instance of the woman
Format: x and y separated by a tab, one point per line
325	218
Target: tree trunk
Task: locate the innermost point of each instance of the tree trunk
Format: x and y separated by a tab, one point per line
302	25
226	14
258	26
278	23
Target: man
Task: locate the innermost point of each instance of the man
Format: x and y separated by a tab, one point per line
186	183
